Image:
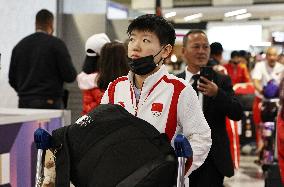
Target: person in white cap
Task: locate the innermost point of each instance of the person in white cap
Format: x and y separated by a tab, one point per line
93	48
105	61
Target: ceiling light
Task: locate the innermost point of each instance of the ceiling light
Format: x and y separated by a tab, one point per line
193	16
170	14
243	16
174	58
236	12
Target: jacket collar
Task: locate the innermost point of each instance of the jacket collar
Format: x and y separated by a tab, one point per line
151	80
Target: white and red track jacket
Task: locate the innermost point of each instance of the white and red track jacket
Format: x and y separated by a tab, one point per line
169	104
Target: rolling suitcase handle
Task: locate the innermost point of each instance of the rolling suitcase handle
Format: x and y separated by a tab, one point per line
43	142
183	151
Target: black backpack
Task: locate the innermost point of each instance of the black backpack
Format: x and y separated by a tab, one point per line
110	147
269	111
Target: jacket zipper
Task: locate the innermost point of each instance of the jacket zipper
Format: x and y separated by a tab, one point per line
137	102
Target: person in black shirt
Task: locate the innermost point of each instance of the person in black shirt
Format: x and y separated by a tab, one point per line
40	64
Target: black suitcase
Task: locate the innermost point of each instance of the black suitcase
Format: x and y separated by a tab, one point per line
272	175
269	110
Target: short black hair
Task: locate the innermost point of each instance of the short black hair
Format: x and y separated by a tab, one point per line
243	53
235	54
156	24
44	18
193	31
216	48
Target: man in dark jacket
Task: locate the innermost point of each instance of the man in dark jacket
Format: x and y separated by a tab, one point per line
218	101
40	64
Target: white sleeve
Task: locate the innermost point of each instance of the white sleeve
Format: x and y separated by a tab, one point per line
86	81
256	72
195	126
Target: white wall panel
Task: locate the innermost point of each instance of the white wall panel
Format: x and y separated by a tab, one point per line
84	6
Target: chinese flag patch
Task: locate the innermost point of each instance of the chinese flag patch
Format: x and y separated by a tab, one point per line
157	107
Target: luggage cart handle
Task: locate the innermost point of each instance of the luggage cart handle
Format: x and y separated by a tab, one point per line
183	151
182	146
43	141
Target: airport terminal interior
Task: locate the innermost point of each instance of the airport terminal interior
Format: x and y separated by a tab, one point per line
246	30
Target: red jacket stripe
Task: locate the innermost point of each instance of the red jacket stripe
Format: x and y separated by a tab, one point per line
111	89
172	115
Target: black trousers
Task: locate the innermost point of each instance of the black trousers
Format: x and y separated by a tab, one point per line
41	103
207	175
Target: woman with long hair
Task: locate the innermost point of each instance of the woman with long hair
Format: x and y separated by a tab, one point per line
111	65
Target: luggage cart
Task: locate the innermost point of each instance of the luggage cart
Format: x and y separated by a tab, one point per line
43	141
184	153
269	111
269	159
245	93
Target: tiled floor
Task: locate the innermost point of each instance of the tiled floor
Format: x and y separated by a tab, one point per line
249	174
